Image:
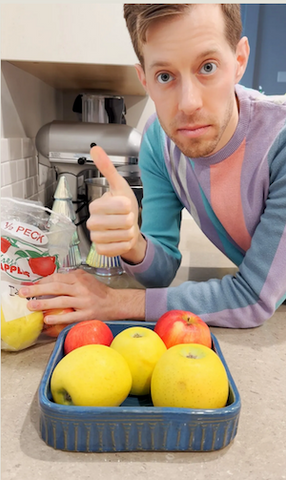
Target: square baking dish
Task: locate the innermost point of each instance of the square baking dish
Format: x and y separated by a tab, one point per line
136	425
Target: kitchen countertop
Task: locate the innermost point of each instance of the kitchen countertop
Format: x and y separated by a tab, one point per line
257	362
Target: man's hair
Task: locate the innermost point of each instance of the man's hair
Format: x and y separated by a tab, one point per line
139	16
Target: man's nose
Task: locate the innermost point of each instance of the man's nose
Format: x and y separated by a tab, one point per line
190	97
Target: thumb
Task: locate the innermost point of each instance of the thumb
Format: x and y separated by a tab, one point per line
117	184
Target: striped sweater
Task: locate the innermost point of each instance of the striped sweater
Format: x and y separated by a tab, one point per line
237	196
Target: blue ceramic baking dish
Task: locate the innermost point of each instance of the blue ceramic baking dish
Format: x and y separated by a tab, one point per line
136	425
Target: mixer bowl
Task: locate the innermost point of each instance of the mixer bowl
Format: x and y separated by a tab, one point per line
96	187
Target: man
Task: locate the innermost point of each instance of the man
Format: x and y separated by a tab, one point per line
213	147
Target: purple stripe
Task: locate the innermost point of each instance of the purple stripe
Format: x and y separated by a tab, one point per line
254	176
156	303
254	185
149	122
203	177
194	191
276	278
255	315
245	317
178	170
144	265
173	167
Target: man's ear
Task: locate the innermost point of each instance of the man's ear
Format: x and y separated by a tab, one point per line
242	55
141	76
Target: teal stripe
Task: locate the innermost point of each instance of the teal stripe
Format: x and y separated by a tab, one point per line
230	250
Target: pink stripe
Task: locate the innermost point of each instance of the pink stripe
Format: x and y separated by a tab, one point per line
225	180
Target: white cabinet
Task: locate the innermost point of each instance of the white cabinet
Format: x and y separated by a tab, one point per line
72	33
71	46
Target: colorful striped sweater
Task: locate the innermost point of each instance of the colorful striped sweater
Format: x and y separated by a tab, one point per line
237	196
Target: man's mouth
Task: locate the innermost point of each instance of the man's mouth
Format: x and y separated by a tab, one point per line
193	131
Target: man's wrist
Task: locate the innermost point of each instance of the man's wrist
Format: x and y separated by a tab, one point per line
137	254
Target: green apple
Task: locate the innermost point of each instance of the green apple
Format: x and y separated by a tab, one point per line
141	347
189	376
91	376
20	327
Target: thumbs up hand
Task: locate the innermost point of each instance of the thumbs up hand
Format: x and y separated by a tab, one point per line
113	221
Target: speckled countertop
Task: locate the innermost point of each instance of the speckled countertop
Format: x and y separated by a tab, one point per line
257	361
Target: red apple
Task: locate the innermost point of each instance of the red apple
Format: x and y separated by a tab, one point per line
179	326
55	330
87	333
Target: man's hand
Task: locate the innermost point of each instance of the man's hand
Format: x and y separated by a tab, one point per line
89	298
113	221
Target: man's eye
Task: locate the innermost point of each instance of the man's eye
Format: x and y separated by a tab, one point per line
208	68
164	78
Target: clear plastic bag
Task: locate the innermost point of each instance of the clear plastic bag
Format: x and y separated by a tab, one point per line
34	244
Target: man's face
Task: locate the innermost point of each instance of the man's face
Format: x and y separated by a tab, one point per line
190	72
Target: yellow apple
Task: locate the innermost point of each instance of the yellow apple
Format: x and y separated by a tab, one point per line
189	376
20	327
91	376
141	347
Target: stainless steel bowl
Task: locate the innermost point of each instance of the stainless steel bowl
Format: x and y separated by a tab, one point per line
96	187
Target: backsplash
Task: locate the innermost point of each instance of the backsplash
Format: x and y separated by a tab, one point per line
20	172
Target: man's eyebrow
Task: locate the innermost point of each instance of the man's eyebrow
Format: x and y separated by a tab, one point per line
158	63
207	53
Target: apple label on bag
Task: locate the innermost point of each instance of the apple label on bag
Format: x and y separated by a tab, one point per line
23	260
23	231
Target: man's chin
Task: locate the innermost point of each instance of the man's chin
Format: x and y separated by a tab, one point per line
197	149
202	146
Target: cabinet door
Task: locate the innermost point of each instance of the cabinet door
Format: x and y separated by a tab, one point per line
79	33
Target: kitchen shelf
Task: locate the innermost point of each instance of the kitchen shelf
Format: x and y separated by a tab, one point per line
112	79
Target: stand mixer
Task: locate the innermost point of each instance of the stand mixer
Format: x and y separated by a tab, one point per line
67	145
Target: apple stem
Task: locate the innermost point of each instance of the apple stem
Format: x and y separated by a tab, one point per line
68	398
191	356
137	335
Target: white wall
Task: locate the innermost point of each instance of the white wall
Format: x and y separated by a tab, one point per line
26	104
139	110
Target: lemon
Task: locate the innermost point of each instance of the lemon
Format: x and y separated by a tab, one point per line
20	327
91	376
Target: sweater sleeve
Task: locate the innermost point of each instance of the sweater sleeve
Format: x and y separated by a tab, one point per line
161	217
244	300
251	296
